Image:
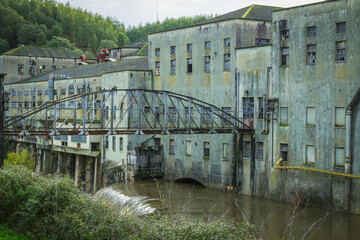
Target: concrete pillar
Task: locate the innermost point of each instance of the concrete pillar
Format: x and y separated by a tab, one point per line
33	150
66	164
88	174
38	160
58	169
45	162
77	163
95	175
19	147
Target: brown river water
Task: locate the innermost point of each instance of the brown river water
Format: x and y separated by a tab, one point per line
274	220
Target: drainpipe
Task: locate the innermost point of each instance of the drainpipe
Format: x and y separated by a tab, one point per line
266	97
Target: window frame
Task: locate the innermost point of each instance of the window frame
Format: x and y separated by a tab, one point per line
285	56
227	62
311	54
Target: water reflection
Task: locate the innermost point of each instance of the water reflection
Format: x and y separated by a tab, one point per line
275	220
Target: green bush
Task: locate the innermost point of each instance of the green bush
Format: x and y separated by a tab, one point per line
52	208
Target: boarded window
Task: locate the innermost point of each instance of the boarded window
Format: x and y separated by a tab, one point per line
157	68
172	146
172	49
341	27
189	47
340	51
284	115
261	41
226	151
173	67
206	149
226	62
310	116
247	149
284	56
208	45
189	65
188	147
157	51
227	42
260	150
339	116
121	144
284	150
311	31
310	154
207	63
114	143
339	157
311	54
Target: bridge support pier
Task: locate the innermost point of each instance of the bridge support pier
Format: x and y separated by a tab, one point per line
19	147
88	174
77	163
59	162
38	160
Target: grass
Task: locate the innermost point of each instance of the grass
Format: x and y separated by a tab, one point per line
8	234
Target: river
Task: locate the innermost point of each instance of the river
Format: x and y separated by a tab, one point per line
274	220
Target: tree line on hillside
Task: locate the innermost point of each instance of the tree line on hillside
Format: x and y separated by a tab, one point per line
52	24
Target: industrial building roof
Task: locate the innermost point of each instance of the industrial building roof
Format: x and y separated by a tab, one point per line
138	52
35	51
138	43
98	69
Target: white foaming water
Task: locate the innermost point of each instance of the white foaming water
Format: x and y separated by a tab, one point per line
130	205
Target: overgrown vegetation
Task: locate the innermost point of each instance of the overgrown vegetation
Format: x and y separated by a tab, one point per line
52	208
24	158
40	22
8	234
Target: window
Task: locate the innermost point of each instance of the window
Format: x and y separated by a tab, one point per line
311	52
206	149
226	62
121	144
172	114
62	91
261	41
107	110
189	65
171	146
227	42
14	94
339	157
39	103
340	51
157	68
46	92
189	47
284	149
310	154
339	116
247	149
341	27
21	69
226	116
311	31
283	115
71	90
26	104
207	63
248	108
173	67
310	116
157	52
26	93
20	94
284	56
39	92
173	50
42	68
260	150
261	108
208	45
284	34
107	142
53	67
20	105
55	92
207	114
157	141
114	143
188	147
33	93
80	90
225	151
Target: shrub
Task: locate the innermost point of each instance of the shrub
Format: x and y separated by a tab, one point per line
23	158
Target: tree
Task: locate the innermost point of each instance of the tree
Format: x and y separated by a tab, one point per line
4	45
56	30
107	44
122	39
23	158
59	42
32	34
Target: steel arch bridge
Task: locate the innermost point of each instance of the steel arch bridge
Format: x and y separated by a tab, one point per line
122	111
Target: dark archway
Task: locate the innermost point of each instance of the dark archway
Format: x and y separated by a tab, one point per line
190	181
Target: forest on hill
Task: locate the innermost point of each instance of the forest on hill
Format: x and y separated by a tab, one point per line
52	24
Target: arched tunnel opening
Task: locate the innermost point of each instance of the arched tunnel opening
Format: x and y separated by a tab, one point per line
190	181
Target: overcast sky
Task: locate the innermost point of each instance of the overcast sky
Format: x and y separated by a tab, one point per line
134	12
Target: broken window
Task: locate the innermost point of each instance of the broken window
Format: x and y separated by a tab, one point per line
341	27
21	69
261	108
157	68
157	52
310	116
71	90
114	143
173	67
226	116
339	116
172	114
311	52
172	49
62	91
311	31
121	144
39	92
206	149
310	154
341	51
207	115
171	146
189	65
261	41
284	149
284	34
189	47
188	147
248	108
260	150
225	151
207	44
247	149
283	115
284	56
339	157
207	63
107	142
227	42
226	62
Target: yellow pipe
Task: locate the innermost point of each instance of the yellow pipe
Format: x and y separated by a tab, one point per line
277	166
247	11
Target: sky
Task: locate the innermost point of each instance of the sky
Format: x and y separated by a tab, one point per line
134	12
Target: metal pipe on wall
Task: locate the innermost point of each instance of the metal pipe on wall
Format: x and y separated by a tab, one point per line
347	158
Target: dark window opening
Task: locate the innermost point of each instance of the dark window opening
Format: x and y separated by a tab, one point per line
189	65
206	149
341	27
284	56
284	149
261	41
311	52
311	31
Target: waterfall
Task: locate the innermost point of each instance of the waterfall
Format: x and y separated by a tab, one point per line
130	205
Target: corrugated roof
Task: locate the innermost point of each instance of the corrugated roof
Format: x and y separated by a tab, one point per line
138	43
35	51
138	52
140	64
